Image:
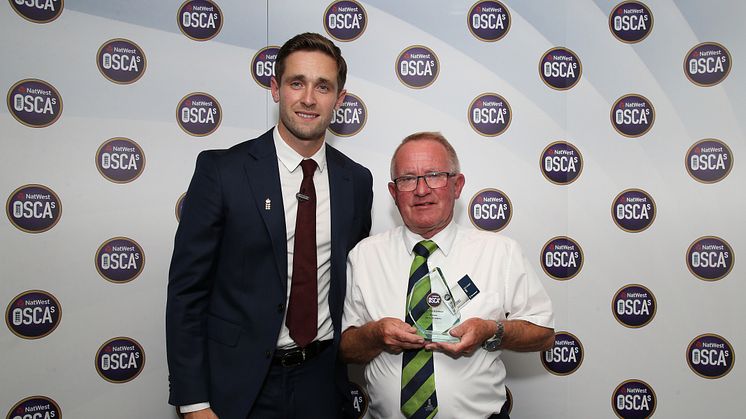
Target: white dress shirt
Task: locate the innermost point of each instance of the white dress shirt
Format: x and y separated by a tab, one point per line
469	386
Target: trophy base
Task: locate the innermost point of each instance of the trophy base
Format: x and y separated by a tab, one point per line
440	337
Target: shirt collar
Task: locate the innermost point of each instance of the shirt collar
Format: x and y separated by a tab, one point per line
444	239
291	159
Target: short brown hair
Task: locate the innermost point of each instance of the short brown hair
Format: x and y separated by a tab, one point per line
310	41
430	135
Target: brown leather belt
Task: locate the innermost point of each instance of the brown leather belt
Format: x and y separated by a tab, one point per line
297	356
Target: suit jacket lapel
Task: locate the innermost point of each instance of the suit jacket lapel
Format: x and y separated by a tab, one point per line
341	197
264	179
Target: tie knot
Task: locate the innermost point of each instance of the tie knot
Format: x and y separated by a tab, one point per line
425	248
308	166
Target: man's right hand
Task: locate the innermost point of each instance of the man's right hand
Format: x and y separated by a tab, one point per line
201	414
396	335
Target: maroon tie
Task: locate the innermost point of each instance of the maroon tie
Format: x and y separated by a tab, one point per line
303	306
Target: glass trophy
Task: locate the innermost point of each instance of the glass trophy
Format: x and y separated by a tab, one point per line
443	315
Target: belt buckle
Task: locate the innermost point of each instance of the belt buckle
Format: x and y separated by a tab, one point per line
292	359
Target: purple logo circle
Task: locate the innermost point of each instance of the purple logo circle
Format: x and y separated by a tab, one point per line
199	114
33	314
631	22
710	258
490	209
345	20
434	299
350	118
34	208
488	20
490	114
565	357
121	61
710	356
633	306
709	161
562	258
417	67
34	407
38	11
34	103
358	401
633	399
120	160
632	115
560	68
120	260
509	399
120	360
561	163
633	210
263	66
707	64
180	206
200	20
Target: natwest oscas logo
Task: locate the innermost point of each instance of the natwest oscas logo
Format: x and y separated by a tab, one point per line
707	64
561	163
490	209
34	208
120	360
560	68
631	21
562	258
350	118
565	356
179	206
33	314
38	11
120	260
488	20
633	210
490	114
633	306
632	115
633	399
199	114
263	66
121	61
120	160
710	258
200	20
34	103
345	20
417	67
710	356
709	161
358	401
35	407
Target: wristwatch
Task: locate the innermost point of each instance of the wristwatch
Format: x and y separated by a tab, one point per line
493	343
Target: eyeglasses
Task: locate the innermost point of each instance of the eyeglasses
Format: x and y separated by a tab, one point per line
433	180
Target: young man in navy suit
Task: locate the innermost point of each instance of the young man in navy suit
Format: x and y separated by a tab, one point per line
257	278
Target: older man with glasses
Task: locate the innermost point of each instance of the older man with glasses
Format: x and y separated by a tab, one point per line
406	375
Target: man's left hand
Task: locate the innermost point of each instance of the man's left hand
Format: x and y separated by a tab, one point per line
472	333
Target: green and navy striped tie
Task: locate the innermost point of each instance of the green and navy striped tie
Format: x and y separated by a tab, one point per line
418	399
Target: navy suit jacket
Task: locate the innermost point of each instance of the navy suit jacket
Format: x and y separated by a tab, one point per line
228	277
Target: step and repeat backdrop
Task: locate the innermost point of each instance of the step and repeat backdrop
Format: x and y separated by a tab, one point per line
605	137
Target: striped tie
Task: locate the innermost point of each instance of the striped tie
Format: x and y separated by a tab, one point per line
418	399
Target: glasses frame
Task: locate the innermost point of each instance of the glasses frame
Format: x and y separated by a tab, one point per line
424	178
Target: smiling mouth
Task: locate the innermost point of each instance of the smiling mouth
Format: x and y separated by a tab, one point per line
308	116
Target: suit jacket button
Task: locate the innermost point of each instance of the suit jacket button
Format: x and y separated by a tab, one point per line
268	354
281	308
